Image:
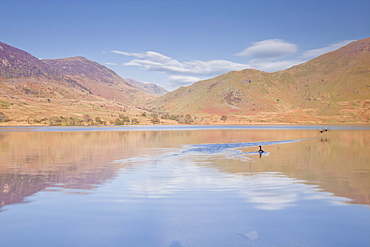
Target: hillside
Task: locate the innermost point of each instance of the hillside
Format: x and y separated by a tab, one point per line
34	90
332	88
99	80
16	63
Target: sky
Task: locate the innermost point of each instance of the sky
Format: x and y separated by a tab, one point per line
175	43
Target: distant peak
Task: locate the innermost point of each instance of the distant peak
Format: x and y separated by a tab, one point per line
76	58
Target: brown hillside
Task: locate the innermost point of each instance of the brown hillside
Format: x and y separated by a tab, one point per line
332	88
99	80
32	90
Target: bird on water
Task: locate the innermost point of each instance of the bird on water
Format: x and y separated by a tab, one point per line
261	151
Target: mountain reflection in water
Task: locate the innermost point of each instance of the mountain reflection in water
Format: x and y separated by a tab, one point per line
189	187
32	161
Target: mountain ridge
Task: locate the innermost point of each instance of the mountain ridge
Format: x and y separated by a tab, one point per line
32	88
332	88
16	63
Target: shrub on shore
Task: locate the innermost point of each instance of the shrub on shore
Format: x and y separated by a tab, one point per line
3	118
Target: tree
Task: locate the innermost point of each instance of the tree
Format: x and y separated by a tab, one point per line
155	119
118	122
165	115
87	118
224	118
126	119
188	119
98	120
55	121
3	118
134	121
185	120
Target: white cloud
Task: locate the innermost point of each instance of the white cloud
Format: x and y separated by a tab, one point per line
317	52
268	55
182	80
265	55
176	81
154	61
272	66
269	49
107	63
131	54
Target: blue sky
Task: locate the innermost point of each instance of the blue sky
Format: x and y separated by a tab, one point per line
174	43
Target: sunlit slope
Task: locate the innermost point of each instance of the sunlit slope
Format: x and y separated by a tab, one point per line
332	87
237	92
333	82
34	90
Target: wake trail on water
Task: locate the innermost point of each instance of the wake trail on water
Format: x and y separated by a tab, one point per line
230	149
215	148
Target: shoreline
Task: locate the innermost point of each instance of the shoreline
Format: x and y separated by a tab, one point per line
159	127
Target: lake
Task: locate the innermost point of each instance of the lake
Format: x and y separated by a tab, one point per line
182	186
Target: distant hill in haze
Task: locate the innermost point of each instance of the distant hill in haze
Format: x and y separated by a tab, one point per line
32	88
332	88
149	88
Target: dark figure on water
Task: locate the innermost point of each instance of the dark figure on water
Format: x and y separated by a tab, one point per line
261	151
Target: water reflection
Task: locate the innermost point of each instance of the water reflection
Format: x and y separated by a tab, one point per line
264	190
32	161
198	187
336	161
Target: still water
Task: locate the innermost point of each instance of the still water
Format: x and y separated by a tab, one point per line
185	186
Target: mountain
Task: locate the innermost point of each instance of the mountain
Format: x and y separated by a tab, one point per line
332	88
149	88
16	63
98	79
25	76
78	72
32	88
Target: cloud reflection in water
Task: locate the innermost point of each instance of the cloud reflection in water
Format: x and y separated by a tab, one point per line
191	169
